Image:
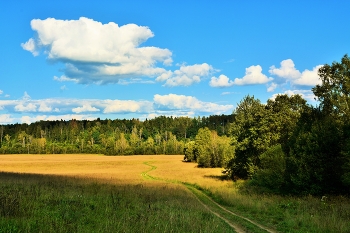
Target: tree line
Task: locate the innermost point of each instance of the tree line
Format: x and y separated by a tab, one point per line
161	135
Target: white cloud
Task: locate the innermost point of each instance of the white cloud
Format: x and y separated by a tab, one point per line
188	103
186	75
44	108
272	87
306	94
253	75
31	110
164	76
127	106
287	70
98	53
30	107
309	77
6	119
66	117
1	92
221	81
30	46
85	108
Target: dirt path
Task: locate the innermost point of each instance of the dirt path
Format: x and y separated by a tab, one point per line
215	208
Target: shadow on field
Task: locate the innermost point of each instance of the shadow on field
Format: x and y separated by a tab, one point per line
221	177
54	203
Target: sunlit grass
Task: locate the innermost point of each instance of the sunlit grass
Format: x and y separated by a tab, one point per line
46	203
286	214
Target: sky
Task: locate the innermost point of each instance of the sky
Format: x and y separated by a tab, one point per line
63	60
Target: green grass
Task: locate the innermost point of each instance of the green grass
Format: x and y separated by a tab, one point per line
283	213
43	203
292	214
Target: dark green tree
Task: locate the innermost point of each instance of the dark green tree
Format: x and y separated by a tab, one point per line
250	137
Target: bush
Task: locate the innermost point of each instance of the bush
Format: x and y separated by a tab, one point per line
272	169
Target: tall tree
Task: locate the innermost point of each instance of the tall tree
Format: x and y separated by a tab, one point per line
250	136
334	92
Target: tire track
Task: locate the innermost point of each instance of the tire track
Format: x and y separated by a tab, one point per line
197	192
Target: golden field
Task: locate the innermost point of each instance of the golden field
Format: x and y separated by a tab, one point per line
116	169
283	213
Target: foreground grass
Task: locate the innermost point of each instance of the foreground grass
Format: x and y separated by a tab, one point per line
121	176
283	213
46	203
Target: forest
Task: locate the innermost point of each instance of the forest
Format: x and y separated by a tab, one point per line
284	146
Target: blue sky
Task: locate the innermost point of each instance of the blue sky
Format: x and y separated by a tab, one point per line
142	59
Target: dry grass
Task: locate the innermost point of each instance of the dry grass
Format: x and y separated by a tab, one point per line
122	202
287	214
125	169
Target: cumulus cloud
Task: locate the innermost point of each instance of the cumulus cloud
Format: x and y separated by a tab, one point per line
186	75
272	87
188	103
97	53
44	108
309	77
85	108
6	119
253	75
221	81
30	107
306	94
289	73
287	70
127	106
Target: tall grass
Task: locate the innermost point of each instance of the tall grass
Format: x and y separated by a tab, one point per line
113	196
46	203
288	213
283	213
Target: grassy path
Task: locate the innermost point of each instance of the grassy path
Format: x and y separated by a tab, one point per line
239	223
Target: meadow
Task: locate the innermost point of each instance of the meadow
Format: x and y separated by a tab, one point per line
155	193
